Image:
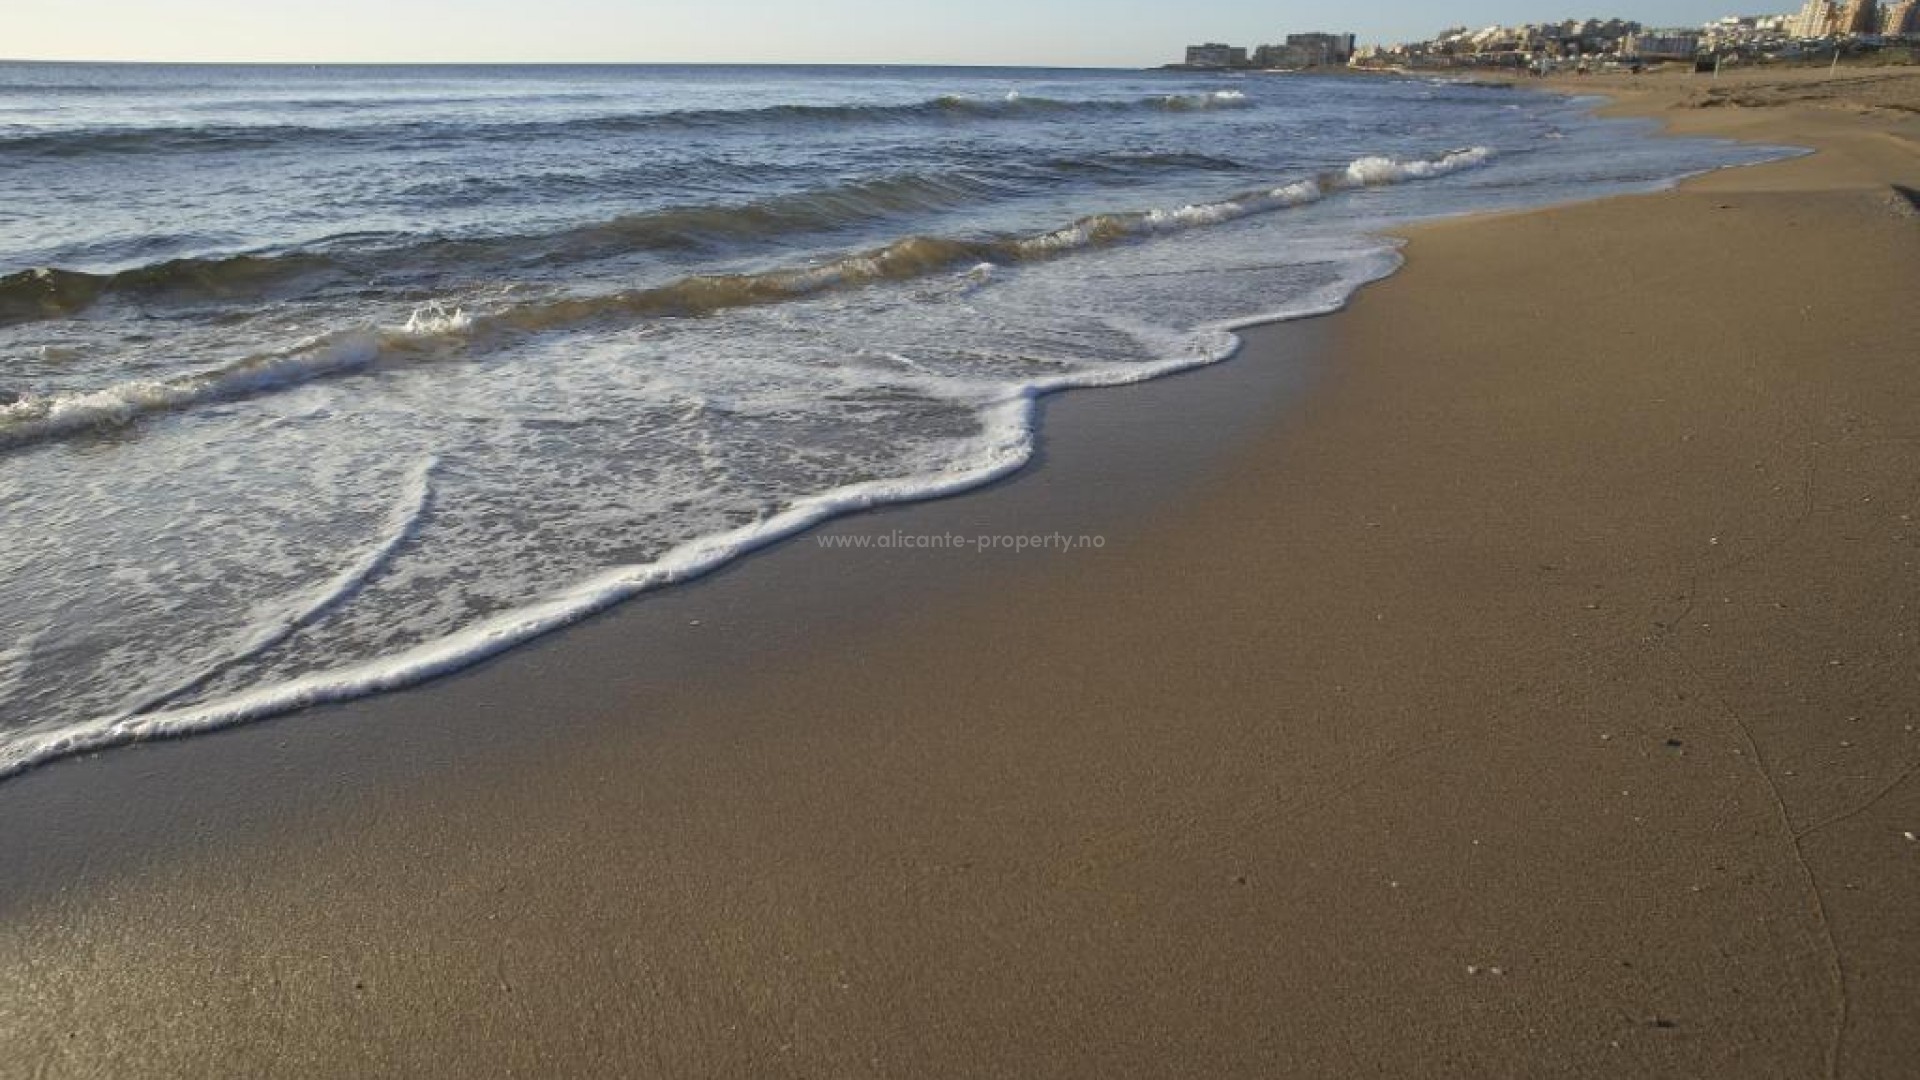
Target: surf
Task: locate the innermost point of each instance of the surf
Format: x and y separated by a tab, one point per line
34	419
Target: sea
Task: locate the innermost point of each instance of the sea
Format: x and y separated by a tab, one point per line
317	382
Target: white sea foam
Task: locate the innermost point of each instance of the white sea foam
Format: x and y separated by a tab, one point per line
34	418
1365	172
1005	444
1376	171
274	623
1218	99
15	656
435	318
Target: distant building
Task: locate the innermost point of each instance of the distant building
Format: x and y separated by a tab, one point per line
1661	45
1306	51
1860	17
1215	55
1816	20
1369	56
1585	43
1747	33
1331	48
1823	18
1277	56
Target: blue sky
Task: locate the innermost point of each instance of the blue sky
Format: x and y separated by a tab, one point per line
1066	32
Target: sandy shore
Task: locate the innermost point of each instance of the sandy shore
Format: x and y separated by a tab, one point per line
1514	676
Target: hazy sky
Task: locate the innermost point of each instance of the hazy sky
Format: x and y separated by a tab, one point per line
1066	32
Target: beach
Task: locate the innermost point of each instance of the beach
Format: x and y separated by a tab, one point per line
1511	675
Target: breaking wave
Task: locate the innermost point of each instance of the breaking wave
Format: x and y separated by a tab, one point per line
34	419
56	292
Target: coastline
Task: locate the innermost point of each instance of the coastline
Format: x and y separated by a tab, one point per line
1232	795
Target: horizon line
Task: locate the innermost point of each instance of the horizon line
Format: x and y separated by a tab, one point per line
591	63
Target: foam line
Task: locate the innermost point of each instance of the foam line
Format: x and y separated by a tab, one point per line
409	510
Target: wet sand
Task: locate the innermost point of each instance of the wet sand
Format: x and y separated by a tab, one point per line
1512	676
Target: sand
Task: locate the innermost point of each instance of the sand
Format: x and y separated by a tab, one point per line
1513	676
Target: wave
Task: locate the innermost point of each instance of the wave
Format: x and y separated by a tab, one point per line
59	89
32	419
1006	445
52	293
55	293
216	137
1218	99
35	419
920	256
855	203
1135	161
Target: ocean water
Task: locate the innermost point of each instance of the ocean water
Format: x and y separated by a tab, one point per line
320	381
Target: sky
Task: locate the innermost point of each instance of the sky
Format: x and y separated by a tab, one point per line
1126	33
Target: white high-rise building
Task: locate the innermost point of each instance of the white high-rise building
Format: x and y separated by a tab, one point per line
1860	17
1817	19
1899	18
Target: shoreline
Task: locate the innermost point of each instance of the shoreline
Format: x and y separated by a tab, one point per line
1100	426
1009	433
1008	440
1013	429
1232	795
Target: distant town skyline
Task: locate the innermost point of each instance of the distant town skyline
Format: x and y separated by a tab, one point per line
1123	33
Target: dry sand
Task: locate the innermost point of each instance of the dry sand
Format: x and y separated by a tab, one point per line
1513	677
